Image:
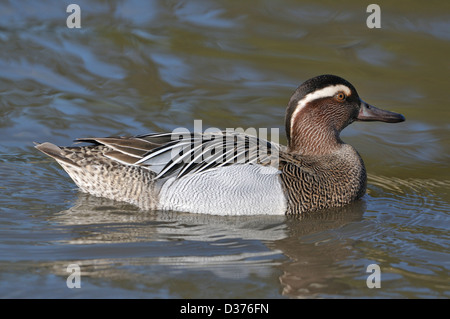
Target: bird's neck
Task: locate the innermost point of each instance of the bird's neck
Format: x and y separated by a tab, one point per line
314	140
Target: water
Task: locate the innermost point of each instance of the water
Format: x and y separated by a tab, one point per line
137	67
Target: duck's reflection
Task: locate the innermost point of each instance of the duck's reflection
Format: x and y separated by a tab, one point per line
316	252
302	250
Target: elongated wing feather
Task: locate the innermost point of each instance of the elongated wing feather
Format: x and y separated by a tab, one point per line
169	154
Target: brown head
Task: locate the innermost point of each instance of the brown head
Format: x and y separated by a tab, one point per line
321	108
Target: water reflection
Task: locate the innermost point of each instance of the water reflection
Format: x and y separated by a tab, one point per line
314	255
224	246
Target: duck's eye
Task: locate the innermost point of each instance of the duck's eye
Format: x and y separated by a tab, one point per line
340	96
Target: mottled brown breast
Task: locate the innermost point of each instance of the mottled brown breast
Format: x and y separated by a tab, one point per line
317	182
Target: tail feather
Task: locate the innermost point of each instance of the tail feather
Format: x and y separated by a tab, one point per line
55	152
94	172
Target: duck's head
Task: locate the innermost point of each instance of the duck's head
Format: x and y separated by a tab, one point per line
321	108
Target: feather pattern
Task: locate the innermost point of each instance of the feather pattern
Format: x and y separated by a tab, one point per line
228	172
175	154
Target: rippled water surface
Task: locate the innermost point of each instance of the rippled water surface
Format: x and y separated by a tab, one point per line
144	66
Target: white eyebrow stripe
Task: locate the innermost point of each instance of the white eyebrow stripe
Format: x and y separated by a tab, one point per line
328	91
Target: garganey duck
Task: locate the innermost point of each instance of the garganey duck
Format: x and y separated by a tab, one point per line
232	173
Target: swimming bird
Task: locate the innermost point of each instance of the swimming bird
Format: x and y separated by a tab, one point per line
232	173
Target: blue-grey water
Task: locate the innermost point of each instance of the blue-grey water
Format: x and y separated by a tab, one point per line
148	66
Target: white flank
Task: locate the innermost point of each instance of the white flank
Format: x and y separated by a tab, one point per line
328	91
230	190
